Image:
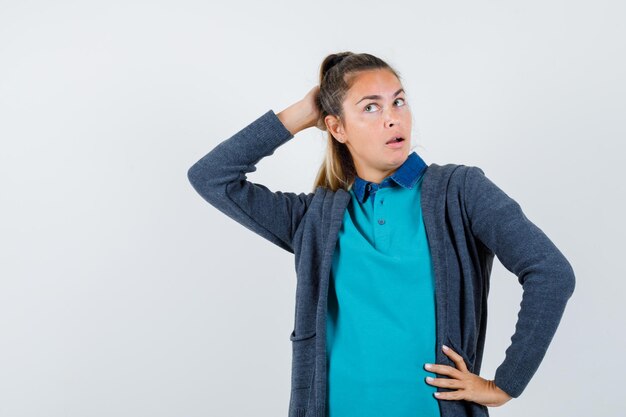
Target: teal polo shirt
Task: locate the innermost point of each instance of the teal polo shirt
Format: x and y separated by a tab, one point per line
381	302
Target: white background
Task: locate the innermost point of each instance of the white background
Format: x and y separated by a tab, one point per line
123	293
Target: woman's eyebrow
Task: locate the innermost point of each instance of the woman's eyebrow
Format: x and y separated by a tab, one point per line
376	97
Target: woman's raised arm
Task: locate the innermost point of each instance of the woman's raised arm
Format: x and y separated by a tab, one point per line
220	176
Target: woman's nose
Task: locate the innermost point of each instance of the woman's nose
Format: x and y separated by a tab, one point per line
391	119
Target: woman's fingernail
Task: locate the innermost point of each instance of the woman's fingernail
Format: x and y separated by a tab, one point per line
445	347
429	379
428	366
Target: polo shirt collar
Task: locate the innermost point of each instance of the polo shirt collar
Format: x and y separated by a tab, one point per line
406	175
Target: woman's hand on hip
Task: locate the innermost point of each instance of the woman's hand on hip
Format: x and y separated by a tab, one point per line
469	386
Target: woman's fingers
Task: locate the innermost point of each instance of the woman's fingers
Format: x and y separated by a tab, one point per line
458	376
450	383
468	386
456	358
443	370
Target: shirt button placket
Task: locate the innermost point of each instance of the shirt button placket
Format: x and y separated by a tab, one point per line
381	193
383	231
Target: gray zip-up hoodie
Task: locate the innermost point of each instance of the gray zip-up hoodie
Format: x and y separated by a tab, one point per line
468	220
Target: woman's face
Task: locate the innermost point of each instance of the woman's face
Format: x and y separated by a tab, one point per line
375	110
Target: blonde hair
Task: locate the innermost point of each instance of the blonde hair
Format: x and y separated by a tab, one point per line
337	74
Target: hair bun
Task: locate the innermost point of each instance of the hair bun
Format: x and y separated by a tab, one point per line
333	60
336	59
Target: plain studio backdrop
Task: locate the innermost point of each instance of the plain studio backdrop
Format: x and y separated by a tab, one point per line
123	293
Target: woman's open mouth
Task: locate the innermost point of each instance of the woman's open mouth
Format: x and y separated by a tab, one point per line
395	142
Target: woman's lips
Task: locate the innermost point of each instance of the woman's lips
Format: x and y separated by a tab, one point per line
395	144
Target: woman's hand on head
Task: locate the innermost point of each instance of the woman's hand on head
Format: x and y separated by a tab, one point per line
304	113
469	386
312	106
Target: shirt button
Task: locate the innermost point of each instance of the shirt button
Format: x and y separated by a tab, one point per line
381	200
381	221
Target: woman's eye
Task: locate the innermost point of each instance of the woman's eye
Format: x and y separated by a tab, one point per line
373	104
365	108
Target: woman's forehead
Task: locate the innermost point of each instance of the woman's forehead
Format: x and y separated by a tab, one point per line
374	85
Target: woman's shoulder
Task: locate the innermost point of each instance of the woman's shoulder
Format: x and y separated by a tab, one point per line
449	173
330	196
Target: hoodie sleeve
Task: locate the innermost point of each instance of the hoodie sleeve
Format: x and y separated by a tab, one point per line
220	178
546	276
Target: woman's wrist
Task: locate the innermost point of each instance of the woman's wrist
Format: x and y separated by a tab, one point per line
297	117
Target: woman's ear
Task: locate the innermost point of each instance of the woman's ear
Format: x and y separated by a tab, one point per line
335	127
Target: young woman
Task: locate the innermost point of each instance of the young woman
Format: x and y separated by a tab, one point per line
393	256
